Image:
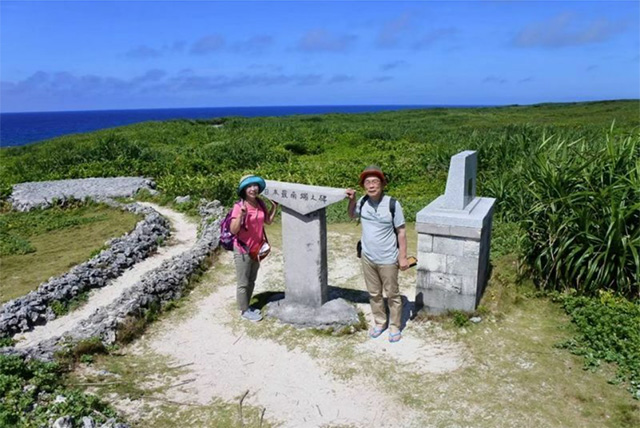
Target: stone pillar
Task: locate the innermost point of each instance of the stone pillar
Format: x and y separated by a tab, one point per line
304	243
454	238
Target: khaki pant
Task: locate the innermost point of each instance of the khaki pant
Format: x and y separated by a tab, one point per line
379	278
246	274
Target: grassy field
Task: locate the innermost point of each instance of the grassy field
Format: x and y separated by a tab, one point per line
413	148
41	244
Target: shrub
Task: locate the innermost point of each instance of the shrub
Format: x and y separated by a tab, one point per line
460	319
90	346
608	330
583	222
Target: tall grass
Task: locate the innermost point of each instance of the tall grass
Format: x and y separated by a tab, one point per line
583	218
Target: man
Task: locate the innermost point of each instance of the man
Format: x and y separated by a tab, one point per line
384	249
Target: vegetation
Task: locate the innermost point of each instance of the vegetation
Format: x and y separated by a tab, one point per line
413	147
583	216
609	330
32	395
16	227
60	307
54	240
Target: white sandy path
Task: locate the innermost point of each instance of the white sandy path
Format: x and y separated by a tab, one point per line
293	387
417	352
290	384
183	238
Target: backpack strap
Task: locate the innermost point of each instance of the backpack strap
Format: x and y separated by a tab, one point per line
244	220
364	199
392	209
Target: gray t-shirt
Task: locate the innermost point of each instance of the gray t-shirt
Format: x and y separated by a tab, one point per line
379	241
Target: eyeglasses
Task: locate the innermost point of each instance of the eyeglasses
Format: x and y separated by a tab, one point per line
372	181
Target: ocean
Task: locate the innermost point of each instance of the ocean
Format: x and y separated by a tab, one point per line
17	129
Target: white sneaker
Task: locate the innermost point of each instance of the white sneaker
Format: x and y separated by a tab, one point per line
252	315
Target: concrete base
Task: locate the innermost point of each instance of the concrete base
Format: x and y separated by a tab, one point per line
453	256
336	314
437	301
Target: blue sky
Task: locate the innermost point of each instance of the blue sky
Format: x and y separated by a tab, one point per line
89	55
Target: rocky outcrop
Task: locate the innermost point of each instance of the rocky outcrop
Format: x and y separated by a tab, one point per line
87	422
42	194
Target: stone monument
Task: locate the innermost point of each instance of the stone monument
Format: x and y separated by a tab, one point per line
454	236
304	243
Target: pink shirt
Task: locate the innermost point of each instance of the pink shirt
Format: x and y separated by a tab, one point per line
251	232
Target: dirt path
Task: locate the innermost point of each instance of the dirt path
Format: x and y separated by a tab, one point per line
293	387
183	237
298	386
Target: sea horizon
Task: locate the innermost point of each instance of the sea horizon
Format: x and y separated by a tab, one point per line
273	106
22	128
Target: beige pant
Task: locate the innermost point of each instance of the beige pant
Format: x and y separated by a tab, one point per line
381	278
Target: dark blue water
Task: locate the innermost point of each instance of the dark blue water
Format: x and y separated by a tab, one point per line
17	129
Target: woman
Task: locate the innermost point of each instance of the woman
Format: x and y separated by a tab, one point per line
247	224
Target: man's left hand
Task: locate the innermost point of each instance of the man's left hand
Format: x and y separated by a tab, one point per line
403	263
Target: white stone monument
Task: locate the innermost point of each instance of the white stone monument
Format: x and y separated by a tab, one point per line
304	243
454	237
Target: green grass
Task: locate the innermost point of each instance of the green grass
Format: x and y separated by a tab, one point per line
60	238
608	331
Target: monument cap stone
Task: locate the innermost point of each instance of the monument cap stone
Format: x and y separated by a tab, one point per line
302	198
461	181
